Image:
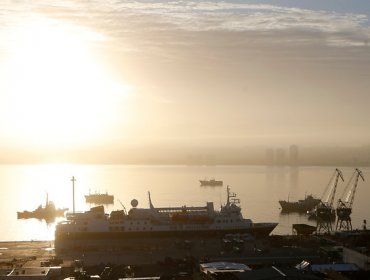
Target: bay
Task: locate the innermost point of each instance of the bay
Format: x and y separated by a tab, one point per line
24	187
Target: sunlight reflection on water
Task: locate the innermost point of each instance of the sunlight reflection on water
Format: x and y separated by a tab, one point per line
258	187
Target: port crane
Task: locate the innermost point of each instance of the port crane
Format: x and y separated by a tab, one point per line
344	207
325	214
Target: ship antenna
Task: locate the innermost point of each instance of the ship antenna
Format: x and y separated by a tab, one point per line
150	201
123	206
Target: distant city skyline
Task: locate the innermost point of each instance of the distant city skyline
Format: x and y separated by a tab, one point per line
289	156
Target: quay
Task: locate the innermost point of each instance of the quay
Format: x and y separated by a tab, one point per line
145	258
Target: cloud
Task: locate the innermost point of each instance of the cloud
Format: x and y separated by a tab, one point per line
200	16
119	19
216	15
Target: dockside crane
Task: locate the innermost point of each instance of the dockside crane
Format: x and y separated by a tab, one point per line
345	203
325	213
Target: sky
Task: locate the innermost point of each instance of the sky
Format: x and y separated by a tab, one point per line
104	74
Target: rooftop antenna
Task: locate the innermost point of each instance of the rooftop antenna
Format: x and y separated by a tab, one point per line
73	190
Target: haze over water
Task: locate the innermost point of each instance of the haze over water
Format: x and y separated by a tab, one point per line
94	80
258	187
114	81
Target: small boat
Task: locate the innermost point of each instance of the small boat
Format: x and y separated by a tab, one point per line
302	205
99	198
303	229
211	182
48	213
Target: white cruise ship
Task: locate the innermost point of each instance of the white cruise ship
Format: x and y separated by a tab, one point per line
152	222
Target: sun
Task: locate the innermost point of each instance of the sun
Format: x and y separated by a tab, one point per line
54	91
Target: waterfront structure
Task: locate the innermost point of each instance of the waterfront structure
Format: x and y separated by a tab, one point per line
344	208
324	211
32	273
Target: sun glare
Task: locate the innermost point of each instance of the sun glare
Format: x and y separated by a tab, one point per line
54	90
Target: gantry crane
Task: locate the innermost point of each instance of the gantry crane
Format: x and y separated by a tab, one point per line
344	208
325	214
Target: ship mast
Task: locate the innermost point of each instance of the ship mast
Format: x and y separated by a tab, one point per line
150	202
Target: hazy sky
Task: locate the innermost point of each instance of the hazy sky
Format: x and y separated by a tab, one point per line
88	73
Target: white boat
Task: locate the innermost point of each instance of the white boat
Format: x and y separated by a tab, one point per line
153	222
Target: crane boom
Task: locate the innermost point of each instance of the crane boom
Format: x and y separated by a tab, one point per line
331	188
344	208
338	174
350	190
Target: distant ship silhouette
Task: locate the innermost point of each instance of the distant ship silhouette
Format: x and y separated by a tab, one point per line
48	213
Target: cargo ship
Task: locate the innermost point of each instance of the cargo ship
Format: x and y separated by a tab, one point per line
155	222
302	205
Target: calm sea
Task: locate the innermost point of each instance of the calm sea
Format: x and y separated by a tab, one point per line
24	187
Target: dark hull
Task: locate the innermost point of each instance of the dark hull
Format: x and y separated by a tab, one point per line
302	207
304	228
258	231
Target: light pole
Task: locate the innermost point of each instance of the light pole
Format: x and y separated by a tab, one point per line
73	189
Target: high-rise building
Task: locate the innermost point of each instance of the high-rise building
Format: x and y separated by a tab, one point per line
270	156
293	155
280	156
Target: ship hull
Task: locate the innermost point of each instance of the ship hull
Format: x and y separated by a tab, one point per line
294	207
302	206
259	231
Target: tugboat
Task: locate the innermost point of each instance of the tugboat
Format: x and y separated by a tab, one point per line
48	213
301	206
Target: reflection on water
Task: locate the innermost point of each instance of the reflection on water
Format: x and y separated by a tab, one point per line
259	188
293	177
283	178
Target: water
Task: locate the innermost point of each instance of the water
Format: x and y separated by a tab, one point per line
259	188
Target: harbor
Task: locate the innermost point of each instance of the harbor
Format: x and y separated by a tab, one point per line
181	140
259	188
176	241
